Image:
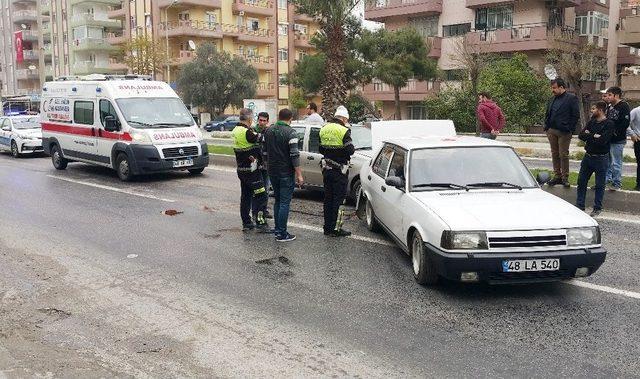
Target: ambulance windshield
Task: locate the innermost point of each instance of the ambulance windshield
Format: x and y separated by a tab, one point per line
166	112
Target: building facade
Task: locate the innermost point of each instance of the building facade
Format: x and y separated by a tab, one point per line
496	26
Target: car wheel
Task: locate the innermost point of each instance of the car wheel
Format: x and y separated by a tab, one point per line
58	160
124	168
370	218
423	270
222	128
355	189
14	149
196	171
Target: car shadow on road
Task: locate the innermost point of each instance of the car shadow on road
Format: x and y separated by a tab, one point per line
105	172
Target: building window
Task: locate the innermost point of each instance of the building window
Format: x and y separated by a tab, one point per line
416	111
283	55
253	24
426	26
300	28
302	54
455	30
211	19
283	29
494	18
184	16
592	24
252	51
282	4
282	80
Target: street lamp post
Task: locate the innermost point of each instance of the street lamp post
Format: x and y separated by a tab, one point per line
166	31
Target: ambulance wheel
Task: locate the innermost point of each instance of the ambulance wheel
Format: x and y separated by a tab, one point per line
196	171
59	162
14	149
124	168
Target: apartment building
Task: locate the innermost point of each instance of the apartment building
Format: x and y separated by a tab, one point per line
629	35
23	64
494	26
267	34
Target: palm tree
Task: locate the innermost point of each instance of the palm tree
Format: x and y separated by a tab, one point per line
332	16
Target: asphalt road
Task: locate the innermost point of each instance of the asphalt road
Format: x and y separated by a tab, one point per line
95	280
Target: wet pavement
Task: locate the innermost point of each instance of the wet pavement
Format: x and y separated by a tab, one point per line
98	273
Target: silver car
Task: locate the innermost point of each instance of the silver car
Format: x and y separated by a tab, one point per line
309	145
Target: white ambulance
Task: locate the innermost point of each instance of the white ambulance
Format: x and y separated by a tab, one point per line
129	123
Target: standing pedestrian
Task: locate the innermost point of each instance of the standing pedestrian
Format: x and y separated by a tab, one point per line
253	196
597	137
634	133
263	125
490	116
619	112
337	148
563	114
312	114
281	142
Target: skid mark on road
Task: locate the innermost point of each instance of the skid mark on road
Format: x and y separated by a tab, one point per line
114	189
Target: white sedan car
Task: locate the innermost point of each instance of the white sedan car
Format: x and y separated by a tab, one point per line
20	135
467	209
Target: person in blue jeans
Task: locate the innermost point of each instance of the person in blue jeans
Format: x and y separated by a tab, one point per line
597	137
618	112
283	163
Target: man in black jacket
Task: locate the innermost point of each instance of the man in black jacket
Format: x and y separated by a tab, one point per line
563	114
597	137
618	112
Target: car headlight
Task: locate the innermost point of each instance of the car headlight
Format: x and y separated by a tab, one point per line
26	138
583	236
140	138
464	240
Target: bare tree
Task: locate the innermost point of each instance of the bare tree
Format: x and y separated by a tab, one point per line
144	56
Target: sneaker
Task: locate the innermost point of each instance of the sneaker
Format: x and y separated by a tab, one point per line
554	181
248	227
264	228
612	187
566	184
340	233
285	237
595	213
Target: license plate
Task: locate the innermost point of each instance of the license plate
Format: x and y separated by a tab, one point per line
183	163
531	265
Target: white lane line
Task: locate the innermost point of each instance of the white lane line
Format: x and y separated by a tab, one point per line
216	168
109	188
618	219
353	236
597	287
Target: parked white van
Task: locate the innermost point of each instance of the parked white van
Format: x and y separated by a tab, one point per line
129	123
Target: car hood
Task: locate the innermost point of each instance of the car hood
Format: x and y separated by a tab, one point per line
174	135
29	133
493	210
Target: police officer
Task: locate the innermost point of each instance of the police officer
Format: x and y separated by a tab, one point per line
249	160
337	148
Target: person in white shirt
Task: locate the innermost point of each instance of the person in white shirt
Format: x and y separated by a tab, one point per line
313	116
634	133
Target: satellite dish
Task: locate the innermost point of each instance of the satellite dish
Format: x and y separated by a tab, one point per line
192	45
24	26
32	67
550	72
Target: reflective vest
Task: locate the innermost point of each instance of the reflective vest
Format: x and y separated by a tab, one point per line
332	135
240	142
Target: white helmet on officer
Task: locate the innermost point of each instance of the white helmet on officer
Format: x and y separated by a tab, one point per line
342	114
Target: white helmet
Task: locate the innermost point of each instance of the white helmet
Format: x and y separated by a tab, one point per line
341	111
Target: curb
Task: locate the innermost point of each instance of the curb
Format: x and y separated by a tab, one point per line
618	201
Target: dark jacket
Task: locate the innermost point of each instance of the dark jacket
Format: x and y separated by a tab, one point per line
247	154
620	114
281	148
563	113
602	144
490	116
341	154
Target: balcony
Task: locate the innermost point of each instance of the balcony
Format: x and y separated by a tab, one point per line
104	2
631	84
266	63
185	4
490	3
266	90
413	91
191	29
48	71
27	74
245	34
46	29
184	56
383	9
45	7
302	40
116	38
254	7
303	17
91	19
629	33
47	50
628	56
23	2
30	55
25	16
90	67
117	13
86	44
435	44
526	37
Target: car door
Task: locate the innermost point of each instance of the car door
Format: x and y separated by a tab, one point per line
312	160
375	180
391	198
5	133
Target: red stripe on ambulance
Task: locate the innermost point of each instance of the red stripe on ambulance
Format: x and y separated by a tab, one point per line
85	131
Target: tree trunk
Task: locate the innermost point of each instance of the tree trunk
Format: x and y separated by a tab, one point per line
334	86
396	97
581	106
474	93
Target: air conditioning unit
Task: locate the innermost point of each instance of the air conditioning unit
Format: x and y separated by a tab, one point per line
241	13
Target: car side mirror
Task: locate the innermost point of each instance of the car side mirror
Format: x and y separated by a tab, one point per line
111	124
543	177
395	181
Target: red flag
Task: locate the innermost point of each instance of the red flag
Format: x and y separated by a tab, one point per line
19	51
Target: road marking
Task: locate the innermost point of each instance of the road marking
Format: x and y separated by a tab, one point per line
597	287
109	188
353	236
618	219
216	168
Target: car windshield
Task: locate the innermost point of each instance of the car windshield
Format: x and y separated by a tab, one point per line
468	168
361	137
26	123
166	112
